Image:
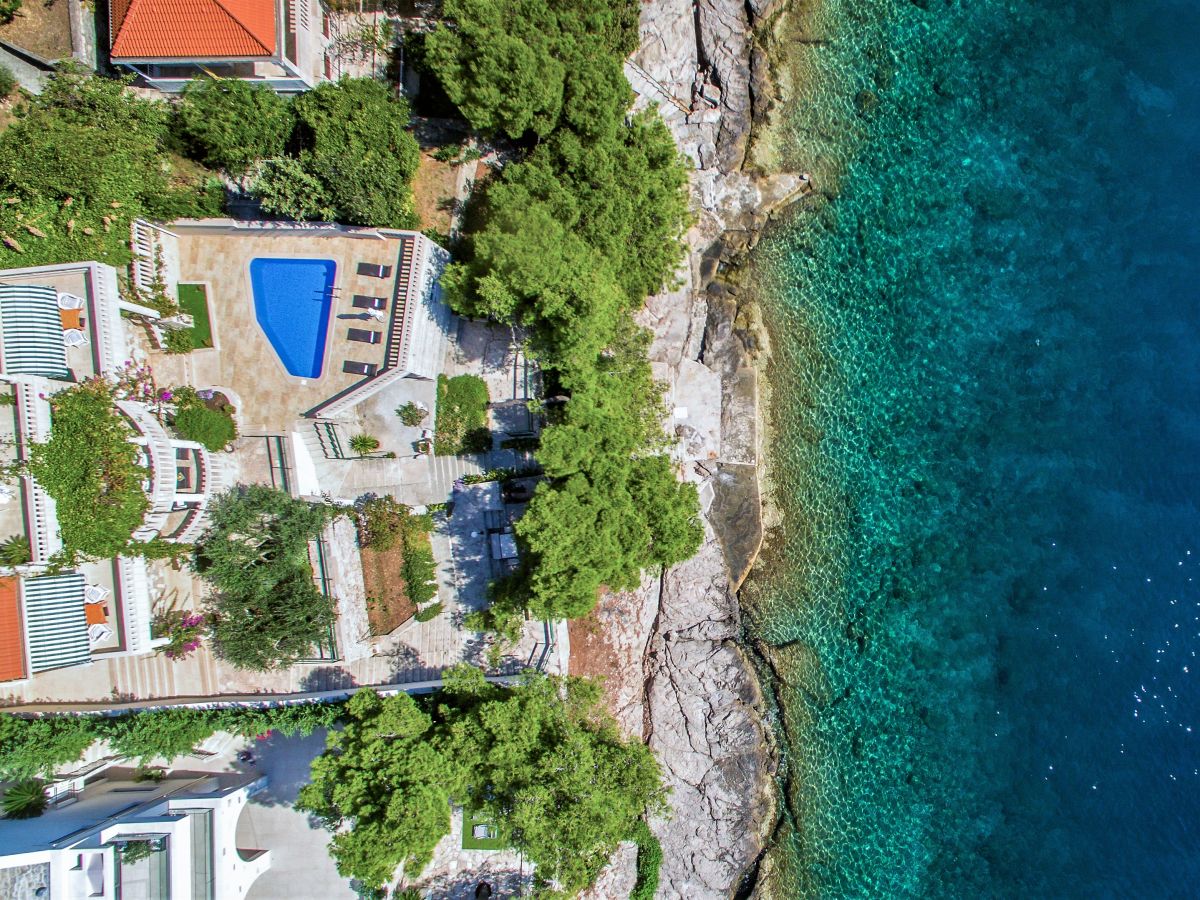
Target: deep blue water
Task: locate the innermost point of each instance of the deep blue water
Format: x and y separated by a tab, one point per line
292	300
988	351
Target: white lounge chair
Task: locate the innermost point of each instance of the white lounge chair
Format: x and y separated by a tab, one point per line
95	593
70	301
73	337
99	632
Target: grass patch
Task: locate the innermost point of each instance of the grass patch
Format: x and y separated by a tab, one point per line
461	425
471	818
193	300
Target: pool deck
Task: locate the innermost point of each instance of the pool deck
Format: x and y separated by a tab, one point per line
243	357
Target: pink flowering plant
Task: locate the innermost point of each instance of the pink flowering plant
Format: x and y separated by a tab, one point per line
134	382
184	631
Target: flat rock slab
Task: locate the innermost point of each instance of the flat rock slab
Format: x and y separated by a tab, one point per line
736	517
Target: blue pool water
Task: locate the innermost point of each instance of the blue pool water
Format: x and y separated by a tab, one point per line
292	298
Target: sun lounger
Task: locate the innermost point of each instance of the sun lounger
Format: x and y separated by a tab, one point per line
95	593
362	301
359	368
364	336
374	270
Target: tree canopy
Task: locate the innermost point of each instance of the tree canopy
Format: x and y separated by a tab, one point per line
268	611
353	139
568	243
525	65
91	470
231	124
543	760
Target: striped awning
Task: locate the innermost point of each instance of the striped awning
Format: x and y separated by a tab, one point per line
32	331
55	621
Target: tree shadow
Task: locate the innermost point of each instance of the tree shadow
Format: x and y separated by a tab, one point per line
327	678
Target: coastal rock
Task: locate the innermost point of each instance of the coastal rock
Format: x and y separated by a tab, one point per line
675	673
705	726
617	878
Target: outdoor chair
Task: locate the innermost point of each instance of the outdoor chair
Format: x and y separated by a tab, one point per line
364	336
374	270
95	593
362	301
73	337
350	367
99	632
70	301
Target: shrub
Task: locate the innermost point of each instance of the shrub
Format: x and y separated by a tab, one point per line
285	188
178	340
231	124
649	861
429	613
419	570
411	414
195	421
362	444
461	425
380	522
83	158
14	551
8	81
24	799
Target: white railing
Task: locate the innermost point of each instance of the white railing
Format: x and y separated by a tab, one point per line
33	424
162	467
135	600
108	332
339	405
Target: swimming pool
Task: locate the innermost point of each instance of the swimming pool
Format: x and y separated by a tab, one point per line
292	298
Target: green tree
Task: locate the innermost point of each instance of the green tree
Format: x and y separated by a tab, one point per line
30	747
231	124
546	761
91	470
167	734
24	799
381	787
268	612
543	759
514	66
411	414
354	140
285	188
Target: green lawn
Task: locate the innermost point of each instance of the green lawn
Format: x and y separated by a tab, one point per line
461	425
470	820
193	300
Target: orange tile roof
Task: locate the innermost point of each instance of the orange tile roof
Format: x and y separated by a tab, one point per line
12	635
181	29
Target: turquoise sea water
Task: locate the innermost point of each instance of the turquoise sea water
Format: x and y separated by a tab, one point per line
987	392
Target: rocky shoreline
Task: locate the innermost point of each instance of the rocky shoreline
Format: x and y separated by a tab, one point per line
676	674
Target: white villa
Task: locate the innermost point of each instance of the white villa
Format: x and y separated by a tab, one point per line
60	325
283	44
120	839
